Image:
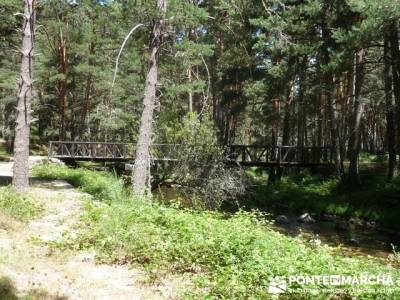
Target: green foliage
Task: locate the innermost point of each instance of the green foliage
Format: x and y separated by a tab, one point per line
204	177
104	186
20	207
230	257
4	155
374	200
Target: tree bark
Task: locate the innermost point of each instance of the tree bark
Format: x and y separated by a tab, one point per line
141	171
301	117
274	171
327	96
22	131
86	101
395	61
286	120
390	112
358	110
62	86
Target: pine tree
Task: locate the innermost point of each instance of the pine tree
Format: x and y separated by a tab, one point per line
22	130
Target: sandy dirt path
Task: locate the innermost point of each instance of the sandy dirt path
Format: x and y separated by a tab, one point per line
30	265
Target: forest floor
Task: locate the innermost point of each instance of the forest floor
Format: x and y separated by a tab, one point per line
31	269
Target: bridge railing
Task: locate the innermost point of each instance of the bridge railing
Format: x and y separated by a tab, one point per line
88	150
256	155
104	150
253	154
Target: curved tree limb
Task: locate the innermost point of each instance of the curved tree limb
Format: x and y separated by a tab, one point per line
119	55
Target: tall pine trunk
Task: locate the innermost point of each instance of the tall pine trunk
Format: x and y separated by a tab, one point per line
22	131
141	170
301	118
358	110
390	111
274	171
327	93
395	61
62	86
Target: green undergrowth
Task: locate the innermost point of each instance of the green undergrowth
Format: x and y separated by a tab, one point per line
20	207
4	155
374	199
103	186
228	256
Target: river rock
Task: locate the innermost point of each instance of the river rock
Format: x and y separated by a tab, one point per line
356	221
282	219
355	242
369	225
306	218
342	225
328	218
55	161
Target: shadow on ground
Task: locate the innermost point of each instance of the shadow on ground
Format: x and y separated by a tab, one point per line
9	292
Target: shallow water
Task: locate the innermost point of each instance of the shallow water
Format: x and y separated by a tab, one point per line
354	241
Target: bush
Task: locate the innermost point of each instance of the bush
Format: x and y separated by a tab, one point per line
205	179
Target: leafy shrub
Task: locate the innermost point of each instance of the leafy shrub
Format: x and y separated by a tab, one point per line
200	170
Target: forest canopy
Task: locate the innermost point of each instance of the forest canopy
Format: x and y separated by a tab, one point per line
305	73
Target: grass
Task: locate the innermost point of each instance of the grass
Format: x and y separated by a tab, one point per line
228	256
4	155
103	186
20	207
375	199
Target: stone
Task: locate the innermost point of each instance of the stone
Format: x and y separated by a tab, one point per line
282	219
369	225
342	225
55	161
355	221
328	218
355	242
306	218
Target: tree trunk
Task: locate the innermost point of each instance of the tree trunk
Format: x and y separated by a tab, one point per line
358	110
301	117
22	131
62	87
86	107
390	112
335	141
286	120
141	170
327	95
395	60
274	171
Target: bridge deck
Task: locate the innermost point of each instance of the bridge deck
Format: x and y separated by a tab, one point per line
245	155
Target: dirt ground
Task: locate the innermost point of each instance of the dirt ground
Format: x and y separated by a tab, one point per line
29	267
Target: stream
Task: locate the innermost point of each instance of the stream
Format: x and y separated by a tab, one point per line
354	240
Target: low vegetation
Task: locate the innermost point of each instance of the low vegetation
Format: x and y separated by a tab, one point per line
4	155
205	180
375	199
228	256
20	207
103	186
